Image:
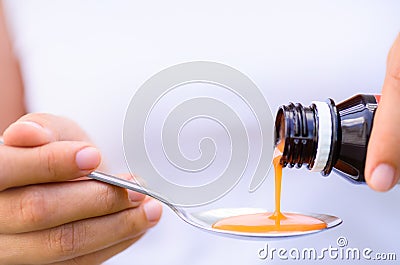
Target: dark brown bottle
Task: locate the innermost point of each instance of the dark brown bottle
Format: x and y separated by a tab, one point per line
326	136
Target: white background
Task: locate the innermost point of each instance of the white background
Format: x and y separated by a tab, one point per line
85	59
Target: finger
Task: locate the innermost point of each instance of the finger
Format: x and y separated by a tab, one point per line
39	207
79	238
53	162
100	256
133	195
383	157
35	129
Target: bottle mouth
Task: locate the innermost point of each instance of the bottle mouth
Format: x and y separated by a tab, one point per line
295	126
280	125
279	136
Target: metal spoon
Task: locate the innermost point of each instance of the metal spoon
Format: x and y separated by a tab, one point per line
205	219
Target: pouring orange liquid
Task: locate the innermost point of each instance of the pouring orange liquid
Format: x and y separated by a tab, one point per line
272	222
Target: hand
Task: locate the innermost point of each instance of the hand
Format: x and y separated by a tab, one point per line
47	219
382	169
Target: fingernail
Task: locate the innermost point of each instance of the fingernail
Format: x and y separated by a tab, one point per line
31	123
39	127
382	177
135	196
153	210
87	158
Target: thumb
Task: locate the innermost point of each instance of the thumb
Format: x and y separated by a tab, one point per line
36	129
382	169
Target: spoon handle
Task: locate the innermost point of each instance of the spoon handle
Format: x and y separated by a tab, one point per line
110	179
118	182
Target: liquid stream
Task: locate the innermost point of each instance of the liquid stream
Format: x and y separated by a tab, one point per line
276	221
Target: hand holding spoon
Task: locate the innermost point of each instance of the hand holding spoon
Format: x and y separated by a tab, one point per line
205	219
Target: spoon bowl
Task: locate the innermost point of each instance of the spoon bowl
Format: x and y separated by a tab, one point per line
206	219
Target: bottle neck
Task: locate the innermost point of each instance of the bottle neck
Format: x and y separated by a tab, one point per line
308	135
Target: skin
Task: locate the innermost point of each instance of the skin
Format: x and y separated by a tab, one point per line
45	217
49	212
11	88
383	157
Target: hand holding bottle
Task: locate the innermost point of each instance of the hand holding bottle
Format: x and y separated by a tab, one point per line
382	170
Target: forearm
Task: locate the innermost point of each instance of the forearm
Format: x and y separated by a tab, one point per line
12	105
